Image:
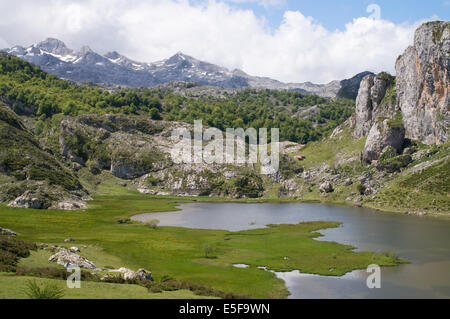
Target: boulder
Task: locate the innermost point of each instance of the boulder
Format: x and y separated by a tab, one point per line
326	187
383	134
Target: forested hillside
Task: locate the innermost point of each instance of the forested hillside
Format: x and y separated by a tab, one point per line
300	117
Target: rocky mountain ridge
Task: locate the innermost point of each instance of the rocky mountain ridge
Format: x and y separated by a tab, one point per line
415	104
115	69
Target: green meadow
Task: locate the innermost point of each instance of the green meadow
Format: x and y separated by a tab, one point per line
193	255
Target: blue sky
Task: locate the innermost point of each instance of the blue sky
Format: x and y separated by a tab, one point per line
334	14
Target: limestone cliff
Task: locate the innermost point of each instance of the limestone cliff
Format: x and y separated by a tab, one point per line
423	84
371	102
414	105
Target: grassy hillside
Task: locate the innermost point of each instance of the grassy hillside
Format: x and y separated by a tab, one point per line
416	187
30	168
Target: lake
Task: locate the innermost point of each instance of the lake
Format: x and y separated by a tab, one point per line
425	242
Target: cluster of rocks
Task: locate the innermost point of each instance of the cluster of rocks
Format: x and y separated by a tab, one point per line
69	257
65	257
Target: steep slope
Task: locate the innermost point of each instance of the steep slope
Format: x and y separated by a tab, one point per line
115	69
29	175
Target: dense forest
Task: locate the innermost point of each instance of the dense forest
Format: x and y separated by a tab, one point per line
23	85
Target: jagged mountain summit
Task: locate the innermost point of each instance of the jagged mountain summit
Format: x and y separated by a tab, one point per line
85	65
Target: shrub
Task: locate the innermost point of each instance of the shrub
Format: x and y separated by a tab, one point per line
152	181
388	152
50	291
93	167
208	251
166	278
394	164
153	224
361	189
124	221
154	114
11	250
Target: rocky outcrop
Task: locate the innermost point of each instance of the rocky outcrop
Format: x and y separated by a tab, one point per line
371	102
383	134
129	274
28	201
364	107
37	179
423	84
7	232
419	106
67	258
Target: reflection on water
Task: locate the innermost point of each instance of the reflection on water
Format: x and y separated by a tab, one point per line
425	242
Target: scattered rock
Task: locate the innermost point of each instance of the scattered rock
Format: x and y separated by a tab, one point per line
348	182
68	240
75	249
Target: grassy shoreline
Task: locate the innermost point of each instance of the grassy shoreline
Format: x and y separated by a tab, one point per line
179	252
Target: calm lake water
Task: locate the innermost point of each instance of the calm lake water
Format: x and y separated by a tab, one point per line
425	242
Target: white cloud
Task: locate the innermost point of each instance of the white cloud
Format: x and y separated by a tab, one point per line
300	49
264	3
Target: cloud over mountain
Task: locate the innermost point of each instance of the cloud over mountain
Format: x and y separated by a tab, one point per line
299	50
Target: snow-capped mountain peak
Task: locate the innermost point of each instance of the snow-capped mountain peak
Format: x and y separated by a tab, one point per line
116	69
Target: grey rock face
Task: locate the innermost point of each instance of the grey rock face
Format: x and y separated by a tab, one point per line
53	56
364	107
423	84
349	87
382	135
370	104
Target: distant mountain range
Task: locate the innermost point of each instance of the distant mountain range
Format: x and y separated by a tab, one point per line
85	65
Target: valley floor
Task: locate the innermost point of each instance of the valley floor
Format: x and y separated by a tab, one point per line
176	252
